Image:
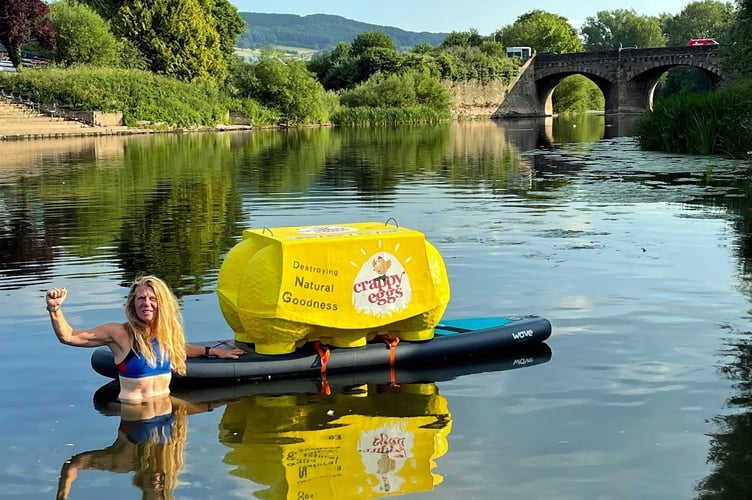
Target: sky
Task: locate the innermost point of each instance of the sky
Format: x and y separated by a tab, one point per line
445	16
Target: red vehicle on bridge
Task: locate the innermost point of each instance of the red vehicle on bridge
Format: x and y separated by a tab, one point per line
702	41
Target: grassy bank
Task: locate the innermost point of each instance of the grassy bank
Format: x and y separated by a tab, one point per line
711	123
366	116
143	97
150	100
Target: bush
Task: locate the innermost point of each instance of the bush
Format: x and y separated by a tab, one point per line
285	86
409	89
707	123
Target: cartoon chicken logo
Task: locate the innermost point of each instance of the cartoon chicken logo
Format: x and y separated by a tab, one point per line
380	267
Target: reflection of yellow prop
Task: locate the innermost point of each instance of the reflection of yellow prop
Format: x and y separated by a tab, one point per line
279	288
348	446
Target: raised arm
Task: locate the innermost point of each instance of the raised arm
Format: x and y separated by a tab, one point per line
106	334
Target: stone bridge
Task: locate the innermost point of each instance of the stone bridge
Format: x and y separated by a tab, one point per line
627	77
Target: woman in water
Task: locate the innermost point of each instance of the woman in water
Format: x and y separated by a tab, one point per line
147	348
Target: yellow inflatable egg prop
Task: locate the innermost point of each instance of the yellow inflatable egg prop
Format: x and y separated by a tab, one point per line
339	284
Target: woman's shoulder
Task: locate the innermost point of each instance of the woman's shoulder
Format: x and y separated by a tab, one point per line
118	332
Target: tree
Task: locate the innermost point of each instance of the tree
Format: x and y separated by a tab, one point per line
541	30
179	38
82	36
374	52
610	30
704	19
375	60
463	39
22	20
334	69
229	26
287	86
350	64
105	8
370	40
738	53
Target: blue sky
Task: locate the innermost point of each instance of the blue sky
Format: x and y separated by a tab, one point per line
443	16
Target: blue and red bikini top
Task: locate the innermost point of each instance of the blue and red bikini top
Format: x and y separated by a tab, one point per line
135	365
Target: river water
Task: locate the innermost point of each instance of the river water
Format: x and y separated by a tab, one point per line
638	259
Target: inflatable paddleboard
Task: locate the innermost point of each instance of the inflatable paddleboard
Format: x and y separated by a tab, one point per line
454	341
514	358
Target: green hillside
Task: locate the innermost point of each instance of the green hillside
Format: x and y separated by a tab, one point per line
319	32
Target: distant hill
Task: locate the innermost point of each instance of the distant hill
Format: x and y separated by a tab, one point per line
319	32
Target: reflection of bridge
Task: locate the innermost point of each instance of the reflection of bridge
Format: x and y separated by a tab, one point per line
627	77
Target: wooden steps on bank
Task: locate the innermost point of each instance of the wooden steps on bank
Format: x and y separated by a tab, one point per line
23	121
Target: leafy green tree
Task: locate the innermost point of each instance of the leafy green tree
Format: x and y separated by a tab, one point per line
702	19
375	60
541	30
462	39
373	52
287	86
178	37
105	8
229	24
350	64
22	20
422	48
334	69
614	29
737	55
419	61
82	36
369	40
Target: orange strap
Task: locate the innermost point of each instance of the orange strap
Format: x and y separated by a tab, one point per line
325	389
392	343
324	354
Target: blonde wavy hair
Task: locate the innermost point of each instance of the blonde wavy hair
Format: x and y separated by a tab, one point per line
160	459
168	329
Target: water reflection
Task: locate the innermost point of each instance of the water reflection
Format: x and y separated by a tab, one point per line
171	205
150	443
731	442
357	442
352	435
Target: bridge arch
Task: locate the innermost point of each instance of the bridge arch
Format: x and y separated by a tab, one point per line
547	85
627	78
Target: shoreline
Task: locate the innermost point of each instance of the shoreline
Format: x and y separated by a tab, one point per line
40	131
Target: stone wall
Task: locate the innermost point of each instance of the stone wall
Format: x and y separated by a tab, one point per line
95	118
475	99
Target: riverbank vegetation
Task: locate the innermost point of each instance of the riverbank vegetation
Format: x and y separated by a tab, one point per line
141	96
180	69
717	122
158	75
711	123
